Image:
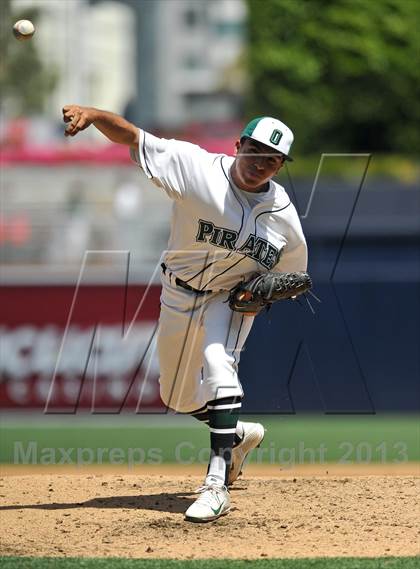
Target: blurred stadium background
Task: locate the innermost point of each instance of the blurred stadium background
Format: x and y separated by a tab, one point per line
341	74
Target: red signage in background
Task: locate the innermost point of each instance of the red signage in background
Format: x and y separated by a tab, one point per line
96	365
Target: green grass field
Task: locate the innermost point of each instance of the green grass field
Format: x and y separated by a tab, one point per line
110	563
161	439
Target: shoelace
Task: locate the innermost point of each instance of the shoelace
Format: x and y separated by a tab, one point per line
207	499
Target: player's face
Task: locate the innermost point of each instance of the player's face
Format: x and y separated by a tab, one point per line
255	164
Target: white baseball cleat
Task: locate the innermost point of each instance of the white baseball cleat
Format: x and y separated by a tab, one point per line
253	437
213	502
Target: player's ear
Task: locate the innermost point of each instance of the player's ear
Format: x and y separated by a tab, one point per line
237	147
281	165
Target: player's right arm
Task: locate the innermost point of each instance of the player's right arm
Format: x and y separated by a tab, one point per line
113	126
171	165
175	166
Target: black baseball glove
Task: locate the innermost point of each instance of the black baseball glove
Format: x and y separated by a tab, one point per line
261	291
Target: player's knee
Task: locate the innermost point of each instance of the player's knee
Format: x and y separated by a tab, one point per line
218	364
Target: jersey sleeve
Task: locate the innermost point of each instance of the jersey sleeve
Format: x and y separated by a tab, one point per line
169	164
294	255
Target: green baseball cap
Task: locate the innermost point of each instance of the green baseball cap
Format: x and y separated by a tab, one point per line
270	132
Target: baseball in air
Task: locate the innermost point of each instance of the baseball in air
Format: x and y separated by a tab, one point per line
23	30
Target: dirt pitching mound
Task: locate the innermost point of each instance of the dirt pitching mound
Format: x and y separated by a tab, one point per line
142	516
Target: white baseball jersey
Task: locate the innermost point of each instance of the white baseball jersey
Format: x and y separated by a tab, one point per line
217	238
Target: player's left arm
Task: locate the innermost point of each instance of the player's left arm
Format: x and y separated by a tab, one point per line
293	259
294	255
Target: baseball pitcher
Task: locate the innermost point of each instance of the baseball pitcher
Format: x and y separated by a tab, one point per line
236	245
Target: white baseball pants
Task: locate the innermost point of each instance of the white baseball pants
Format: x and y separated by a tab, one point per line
199	344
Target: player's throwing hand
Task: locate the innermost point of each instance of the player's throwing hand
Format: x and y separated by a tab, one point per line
78	118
